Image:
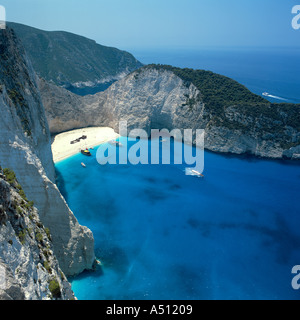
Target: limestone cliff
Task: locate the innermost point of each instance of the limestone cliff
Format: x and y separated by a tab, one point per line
29	269
157	97
65	110
25	147
154	101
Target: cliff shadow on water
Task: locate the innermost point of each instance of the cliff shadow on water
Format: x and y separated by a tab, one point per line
60	182
251	158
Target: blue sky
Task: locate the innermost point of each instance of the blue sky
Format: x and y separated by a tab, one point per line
146	24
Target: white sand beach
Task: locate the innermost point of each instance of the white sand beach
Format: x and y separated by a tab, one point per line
63	149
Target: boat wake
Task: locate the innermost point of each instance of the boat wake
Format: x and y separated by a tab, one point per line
191	172
266	94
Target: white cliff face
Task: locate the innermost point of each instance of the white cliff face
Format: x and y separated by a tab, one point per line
25	148
155	99
29	269
152	98
64	110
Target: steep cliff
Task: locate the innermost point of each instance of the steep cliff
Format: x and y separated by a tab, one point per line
157	97
25	148
65	58
153	100
64	110
28	267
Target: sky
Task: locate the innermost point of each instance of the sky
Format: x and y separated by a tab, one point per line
162	24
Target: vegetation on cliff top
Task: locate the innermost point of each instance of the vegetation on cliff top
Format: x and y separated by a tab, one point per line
219	92
216	90
66	58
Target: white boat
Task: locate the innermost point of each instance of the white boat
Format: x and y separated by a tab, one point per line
266	94
117	143
197	173
83	164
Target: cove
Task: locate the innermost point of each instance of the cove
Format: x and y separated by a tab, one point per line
163	235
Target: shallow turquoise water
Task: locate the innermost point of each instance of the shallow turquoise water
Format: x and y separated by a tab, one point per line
163	235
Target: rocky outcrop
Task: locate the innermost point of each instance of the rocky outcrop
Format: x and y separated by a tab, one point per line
157	98
29	269
25	147
65	111
157	101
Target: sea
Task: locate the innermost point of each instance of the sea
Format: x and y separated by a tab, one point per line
163	235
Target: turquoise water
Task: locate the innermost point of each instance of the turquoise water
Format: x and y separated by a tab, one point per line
163	235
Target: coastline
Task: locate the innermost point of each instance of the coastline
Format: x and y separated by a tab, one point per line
63	149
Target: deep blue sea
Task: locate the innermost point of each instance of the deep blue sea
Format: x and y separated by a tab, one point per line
272	70
163	235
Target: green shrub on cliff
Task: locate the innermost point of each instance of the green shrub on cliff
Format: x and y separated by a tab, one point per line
216	90
219	92
55	289
10	175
